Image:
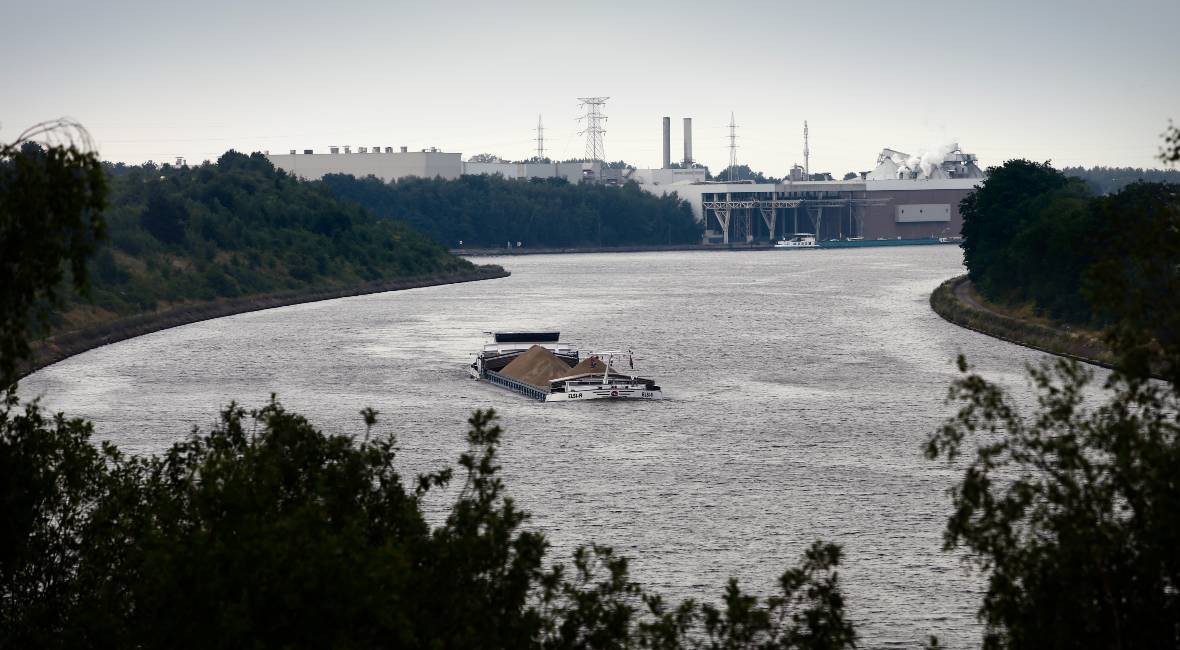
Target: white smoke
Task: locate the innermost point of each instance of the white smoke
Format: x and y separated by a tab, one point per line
933	158
902	165
926	165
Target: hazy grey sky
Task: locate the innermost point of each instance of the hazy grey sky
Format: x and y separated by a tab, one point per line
1076	82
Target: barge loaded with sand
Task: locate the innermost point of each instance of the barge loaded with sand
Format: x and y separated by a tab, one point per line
538	365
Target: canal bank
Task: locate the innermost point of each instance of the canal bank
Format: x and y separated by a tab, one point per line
957	301
751	246
524	250
67	344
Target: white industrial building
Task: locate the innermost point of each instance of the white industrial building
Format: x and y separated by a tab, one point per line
389	165
853	209
574	172
382	162
903	197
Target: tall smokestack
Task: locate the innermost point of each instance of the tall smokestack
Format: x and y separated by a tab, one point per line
688	142
667	143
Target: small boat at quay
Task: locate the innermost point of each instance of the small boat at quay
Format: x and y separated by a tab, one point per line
538	365
798	240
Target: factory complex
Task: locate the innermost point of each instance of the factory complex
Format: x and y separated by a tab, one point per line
853	209
902	197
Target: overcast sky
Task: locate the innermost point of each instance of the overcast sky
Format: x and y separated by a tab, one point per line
1075	82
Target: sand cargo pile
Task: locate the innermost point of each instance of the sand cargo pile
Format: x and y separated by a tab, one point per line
537	366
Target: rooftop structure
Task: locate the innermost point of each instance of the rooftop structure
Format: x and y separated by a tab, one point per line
944	162
382	162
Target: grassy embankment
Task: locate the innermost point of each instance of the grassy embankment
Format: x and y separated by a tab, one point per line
958	302
194	243
103	331
1052	265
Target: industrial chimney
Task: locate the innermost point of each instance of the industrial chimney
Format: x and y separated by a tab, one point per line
687	142
667	143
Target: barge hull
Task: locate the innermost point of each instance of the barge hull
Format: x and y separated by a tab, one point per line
604	393
599	391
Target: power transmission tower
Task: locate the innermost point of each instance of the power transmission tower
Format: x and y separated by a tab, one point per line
540	139
806	154
732	146
593	131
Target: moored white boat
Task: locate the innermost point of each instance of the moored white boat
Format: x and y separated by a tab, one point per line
797	240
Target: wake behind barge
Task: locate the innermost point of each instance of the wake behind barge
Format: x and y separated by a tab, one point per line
538	365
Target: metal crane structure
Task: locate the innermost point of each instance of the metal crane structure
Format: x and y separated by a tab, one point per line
734	211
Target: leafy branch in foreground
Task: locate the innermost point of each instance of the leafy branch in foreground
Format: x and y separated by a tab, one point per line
1170	152
266	532
52	194
1072	512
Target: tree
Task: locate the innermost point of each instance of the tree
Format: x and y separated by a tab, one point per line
165	217
240	227
486	211
52	194
1109	180
1135	285
51	480
485	158
743	173
1072	512
1022	224
1170	152
266	532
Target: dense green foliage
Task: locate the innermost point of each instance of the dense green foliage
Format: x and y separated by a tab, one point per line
1135	284
743	173
265	533
1170	152
1072	512
240	227
1032	234
1108	180
490	211
51	202
1027	235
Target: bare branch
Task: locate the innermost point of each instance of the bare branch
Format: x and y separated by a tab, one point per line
62	132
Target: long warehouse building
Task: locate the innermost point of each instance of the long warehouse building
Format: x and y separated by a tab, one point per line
901	209
902	198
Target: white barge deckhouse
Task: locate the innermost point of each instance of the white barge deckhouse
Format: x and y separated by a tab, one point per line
538	365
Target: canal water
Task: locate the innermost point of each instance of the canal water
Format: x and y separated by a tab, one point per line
801	386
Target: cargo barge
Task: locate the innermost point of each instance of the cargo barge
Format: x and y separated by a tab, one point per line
538	365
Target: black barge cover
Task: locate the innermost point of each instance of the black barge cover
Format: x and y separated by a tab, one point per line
527	337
